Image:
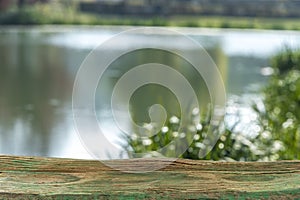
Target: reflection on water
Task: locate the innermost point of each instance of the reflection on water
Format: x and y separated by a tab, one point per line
36	82
38	67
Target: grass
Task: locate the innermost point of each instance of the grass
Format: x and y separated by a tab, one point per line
58	13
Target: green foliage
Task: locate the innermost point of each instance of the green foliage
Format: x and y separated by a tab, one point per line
67	12
285	62
278	119
54	12
281	113
230	145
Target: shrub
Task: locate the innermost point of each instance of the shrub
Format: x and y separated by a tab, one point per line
280	115
278	119
231	145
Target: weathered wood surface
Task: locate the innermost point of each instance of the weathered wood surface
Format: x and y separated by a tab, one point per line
53	178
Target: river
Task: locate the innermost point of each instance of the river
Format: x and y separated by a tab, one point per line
38	66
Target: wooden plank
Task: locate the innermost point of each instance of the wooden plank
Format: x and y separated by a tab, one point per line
53	178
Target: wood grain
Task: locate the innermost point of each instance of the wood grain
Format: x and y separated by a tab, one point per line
54	178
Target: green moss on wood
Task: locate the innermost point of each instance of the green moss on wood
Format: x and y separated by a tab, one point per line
52	178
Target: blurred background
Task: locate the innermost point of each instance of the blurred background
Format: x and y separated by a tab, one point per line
254	44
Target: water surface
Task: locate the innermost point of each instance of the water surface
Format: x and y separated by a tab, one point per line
38	67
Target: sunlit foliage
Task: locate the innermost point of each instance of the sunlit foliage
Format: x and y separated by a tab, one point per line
280	116
230	145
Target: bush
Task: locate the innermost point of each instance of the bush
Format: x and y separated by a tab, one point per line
278	119
281	113
231	145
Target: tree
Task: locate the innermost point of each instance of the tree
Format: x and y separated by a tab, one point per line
280	116
21	4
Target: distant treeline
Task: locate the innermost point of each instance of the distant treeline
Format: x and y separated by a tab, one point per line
250	8
6	4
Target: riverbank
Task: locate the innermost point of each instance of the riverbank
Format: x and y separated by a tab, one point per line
34	16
